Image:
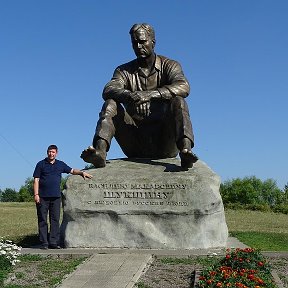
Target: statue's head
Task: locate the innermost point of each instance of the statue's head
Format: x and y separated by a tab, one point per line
143	39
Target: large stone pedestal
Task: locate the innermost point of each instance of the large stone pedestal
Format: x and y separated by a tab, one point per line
145	204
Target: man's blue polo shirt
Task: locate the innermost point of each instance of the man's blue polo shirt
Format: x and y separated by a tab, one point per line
50	177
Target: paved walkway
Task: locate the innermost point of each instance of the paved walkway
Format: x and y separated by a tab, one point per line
108	271
117	268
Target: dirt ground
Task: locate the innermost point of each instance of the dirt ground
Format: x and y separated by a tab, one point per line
160	275
46	272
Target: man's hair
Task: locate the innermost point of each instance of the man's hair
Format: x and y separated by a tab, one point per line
50	147
148	28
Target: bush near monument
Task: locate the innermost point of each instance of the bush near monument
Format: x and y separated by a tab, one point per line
9	254
253	194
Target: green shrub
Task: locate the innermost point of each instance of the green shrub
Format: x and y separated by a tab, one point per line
258	207
253	207
5	264
5	268
281	208
254	194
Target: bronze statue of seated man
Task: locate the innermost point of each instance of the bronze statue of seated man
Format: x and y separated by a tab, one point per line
144	107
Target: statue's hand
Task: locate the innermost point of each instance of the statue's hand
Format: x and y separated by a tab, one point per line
139	97
141	100
143	109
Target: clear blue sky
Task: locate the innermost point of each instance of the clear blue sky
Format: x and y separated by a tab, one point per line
56	56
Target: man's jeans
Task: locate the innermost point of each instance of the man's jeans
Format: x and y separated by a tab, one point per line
53	205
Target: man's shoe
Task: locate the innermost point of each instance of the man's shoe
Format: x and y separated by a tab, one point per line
54	246
44	246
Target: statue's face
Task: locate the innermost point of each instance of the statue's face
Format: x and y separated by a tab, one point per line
142	44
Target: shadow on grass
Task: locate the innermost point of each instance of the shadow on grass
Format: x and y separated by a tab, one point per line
28	241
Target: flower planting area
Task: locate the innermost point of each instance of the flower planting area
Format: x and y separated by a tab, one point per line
246	268
9	254
32	271
239	268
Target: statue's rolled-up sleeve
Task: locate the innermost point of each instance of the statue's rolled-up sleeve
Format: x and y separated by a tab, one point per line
174	81
116	88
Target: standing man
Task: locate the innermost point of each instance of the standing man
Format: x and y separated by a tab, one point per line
47	195
144	107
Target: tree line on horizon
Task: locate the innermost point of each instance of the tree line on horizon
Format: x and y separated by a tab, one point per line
252	193
25	193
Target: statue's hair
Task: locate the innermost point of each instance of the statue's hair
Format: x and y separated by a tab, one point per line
148	28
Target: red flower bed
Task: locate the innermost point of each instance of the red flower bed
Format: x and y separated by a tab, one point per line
245	268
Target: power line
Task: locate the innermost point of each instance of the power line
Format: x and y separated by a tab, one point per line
16	150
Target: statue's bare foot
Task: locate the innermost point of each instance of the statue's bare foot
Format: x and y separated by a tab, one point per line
96	157
188	158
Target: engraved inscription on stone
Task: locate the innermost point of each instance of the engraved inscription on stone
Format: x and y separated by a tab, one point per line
137	194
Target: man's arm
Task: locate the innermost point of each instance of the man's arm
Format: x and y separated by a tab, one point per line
81	173
36	190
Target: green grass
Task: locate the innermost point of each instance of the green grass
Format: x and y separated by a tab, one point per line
5	268
204	261
18	221
38	271
245	220
176	261
266	231
264	241
142	285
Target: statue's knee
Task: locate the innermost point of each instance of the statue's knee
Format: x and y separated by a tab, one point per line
110	104
109	108
179	103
